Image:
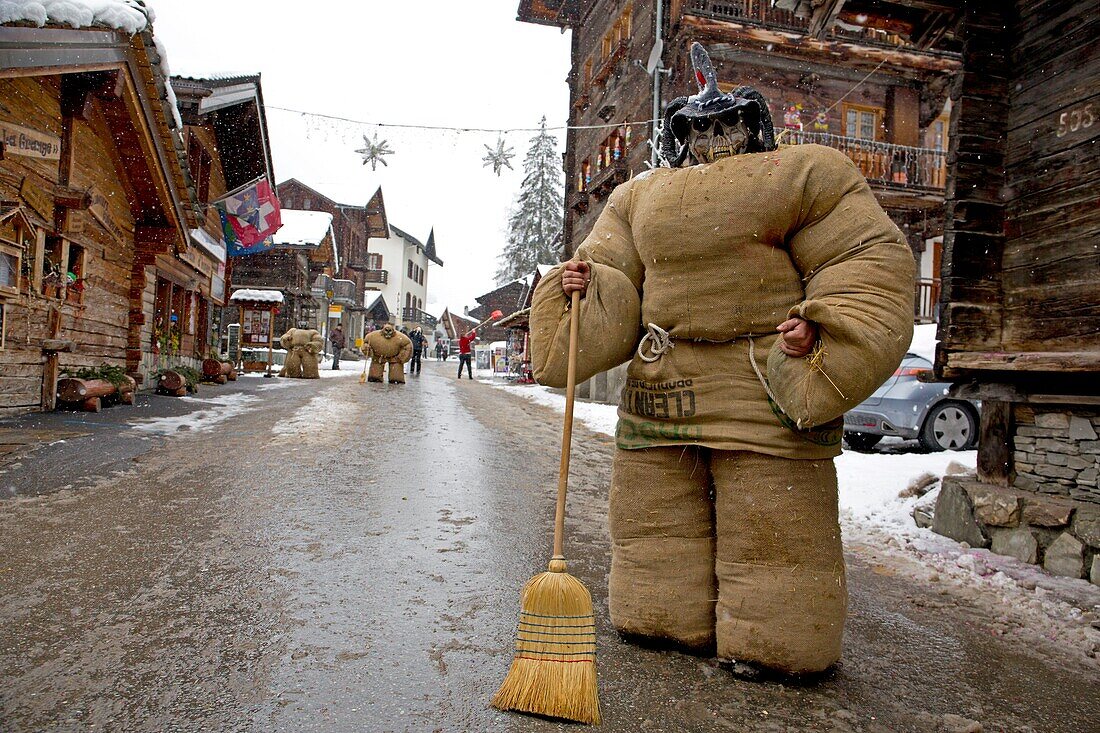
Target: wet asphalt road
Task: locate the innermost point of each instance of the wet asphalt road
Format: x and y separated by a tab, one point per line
348	557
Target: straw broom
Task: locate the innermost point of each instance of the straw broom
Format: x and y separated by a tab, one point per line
553	672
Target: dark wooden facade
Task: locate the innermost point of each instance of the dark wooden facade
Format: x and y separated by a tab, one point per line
871	93
507	299
92	189
1021	301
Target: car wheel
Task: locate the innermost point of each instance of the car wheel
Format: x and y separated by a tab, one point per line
949	426
861	441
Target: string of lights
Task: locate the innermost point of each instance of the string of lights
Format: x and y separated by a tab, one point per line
498	130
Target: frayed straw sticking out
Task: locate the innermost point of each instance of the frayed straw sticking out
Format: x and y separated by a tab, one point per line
554	670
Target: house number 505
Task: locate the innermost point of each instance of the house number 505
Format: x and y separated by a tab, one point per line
1074	120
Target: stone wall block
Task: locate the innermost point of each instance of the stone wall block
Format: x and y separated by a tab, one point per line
1043	512
1051	471
996	508
1092	447
1066	556
1081	429
1018	543
1088	477
1025	480
1085	493
954	515
1086	525
1079	463
1027	431
1058	459
1056	420
1057	446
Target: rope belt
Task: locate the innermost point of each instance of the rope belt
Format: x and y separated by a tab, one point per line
660	342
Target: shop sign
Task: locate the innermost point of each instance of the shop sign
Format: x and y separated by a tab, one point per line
99	209
335	311
19	140
36	198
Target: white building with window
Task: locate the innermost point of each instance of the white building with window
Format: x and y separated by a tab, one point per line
404	260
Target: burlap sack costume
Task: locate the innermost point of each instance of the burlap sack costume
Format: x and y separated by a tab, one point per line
387	346
302	346
692	269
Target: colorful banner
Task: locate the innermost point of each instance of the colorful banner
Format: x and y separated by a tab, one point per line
249	217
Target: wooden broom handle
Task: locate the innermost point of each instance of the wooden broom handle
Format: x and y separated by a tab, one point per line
567	429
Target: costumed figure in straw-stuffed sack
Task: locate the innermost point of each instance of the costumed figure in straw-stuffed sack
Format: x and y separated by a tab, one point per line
758	294
387	345
302	347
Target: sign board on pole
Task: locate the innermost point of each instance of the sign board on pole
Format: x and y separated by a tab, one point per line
335	311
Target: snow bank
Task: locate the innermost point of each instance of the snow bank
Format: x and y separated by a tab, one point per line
220	409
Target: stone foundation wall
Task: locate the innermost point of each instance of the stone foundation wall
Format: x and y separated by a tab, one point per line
1060	533
1057	451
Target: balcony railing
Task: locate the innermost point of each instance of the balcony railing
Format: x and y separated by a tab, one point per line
883	164
417	316
605	180
761	13
344	291
377	276
927	300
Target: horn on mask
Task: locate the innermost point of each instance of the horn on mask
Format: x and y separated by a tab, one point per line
767	132
673	152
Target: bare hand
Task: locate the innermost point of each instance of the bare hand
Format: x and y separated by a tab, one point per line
797	337
576	276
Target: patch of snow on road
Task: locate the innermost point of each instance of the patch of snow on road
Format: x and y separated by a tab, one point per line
221	409
319	413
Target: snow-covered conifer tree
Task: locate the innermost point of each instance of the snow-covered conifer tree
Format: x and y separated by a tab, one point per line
535	223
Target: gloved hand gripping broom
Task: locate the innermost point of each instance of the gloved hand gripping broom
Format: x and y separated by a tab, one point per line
553	672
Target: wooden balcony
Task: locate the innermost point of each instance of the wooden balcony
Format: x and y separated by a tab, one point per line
927	300
608	66
344	292
761	14
884	165
378	277
604	181
356	262
411	316
578	201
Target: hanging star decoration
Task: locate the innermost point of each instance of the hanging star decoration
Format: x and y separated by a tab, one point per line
498	157
375	152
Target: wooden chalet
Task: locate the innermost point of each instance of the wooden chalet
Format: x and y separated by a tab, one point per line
226	142
353	226
302	259
453	326
861	87
93	190
1020	324
507	299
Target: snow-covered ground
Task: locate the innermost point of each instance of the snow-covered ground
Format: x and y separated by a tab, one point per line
877	525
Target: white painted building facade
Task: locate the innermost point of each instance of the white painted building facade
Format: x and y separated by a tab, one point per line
405	261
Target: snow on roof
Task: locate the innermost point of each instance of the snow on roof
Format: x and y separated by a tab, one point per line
303	228
256	296
124	15
370	298
215	247
543	269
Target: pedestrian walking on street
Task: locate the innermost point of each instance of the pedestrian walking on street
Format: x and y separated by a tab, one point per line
418	341
466	353
439	351
338	341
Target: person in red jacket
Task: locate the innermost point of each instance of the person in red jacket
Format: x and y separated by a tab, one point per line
466	353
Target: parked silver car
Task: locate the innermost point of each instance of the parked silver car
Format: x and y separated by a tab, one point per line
908	408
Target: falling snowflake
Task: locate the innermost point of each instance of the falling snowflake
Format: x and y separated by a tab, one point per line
375	152
498	157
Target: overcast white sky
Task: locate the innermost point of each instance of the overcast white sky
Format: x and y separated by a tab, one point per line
431	62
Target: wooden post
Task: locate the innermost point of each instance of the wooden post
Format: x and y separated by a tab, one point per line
270	339
995	464
52	368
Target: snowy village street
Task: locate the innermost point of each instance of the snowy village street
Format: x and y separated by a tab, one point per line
345	557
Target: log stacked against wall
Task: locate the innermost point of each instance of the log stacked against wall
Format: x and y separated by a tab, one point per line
96	243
